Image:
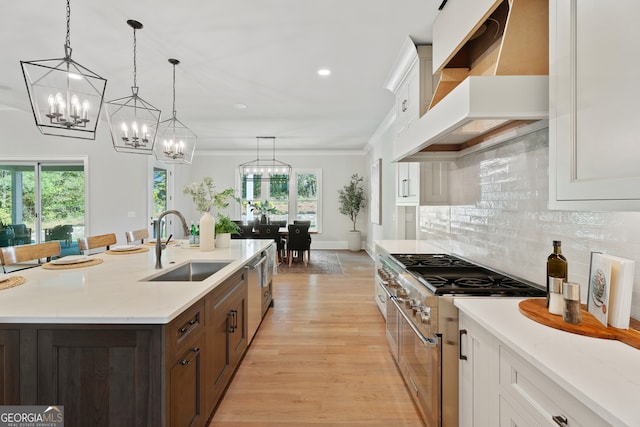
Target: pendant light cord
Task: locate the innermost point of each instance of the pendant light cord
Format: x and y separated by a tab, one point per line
135	70
174	91
68	39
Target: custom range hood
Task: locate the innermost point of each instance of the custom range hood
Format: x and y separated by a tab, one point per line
491	62
480	111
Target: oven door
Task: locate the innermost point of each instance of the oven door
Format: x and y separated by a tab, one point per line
393	331
420	363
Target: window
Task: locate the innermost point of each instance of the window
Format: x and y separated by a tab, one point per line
160	205
42	201
297	197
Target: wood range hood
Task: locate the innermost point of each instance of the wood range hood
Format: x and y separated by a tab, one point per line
492	86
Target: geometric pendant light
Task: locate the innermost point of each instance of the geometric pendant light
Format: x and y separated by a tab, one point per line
132	120
66	98
265	168
176	143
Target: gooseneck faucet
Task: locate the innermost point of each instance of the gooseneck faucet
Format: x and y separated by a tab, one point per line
158	221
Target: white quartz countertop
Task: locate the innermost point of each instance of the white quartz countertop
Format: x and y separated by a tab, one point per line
603	374
114	291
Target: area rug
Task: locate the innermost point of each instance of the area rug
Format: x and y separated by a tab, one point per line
322	262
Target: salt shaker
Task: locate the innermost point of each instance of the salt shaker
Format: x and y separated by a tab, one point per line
571	309
555	295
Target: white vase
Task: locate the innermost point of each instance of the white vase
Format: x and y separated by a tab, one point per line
207	227
354	240
223	240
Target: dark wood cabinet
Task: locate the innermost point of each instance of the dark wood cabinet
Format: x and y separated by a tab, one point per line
226	334
130	375
10	366
185	353
103	376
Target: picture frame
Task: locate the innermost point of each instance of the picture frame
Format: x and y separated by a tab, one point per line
375	205
599	287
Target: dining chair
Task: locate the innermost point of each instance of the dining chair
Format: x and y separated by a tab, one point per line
16	254
135	235
279	223
301	222
245	232
298	241
93	242
272	231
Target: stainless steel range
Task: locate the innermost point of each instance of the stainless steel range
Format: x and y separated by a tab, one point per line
422	321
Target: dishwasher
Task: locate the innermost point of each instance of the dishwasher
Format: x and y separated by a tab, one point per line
256	282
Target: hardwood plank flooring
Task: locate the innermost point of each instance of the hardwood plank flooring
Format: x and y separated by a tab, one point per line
320	358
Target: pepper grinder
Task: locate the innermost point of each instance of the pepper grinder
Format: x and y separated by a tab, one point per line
571	308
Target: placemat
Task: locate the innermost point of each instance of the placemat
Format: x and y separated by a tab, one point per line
92	261
133	251
12	281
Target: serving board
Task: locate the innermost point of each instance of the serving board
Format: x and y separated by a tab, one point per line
536	310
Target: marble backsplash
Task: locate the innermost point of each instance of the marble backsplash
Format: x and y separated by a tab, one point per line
498	216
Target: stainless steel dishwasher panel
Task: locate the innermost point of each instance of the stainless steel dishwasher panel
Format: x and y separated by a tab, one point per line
255	279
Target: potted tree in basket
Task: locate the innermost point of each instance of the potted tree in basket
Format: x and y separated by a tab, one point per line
352	199
224	229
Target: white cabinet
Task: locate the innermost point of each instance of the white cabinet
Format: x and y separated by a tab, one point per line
478	370
407	102
593	152
434	183
498	387
407	183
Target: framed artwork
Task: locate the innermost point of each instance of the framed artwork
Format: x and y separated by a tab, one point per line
375	205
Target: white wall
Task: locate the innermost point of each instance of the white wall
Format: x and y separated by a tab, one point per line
336	172
499	217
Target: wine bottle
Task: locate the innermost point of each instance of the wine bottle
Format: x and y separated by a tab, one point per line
557	266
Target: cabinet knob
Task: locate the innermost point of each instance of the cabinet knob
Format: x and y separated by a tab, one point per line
561	420
185	362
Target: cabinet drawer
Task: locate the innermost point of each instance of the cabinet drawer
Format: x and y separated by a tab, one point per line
537	398
184	329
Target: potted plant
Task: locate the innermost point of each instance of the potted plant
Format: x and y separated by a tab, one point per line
224	229
352	199
262	209
206	198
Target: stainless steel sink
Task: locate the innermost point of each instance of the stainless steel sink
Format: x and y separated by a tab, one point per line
193	271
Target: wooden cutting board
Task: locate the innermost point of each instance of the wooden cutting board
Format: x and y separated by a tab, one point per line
536	309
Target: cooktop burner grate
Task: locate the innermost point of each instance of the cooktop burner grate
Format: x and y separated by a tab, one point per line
446	274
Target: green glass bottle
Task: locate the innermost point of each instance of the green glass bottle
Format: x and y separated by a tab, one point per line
557	266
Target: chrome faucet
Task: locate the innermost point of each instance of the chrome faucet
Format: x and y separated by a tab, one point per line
158	221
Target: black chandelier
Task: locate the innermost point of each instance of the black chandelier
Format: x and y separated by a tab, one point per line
263	168
66	97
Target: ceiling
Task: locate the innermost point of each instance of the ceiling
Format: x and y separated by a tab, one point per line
263	54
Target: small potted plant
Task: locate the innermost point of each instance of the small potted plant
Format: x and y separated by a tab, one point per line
263	209
352	199
224	229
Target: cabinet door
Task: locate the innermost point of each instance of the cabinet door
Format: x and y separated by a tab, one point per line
102	377
408	183
10	367
434	183
226	334
407	100
592	149
478	375
186	388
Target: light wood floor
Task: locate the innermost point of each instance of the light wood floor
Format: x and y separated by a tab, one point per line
320	358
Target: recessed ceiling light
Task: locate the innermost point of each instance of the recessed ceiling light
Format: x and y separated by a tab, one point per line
240	106
324	72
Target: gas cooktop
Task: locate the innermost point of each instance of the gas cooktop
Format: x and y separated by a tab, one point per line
446	274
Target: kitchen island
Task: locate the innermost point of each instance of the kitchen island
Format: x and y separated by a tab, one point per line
116	349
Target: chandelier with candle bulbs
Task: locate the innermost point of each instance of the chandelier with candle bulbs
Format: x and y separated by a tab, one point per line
263	168
133	122
176	142
66	98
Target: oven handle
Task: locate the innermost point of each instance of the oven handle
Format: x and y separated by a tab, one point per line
429	342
